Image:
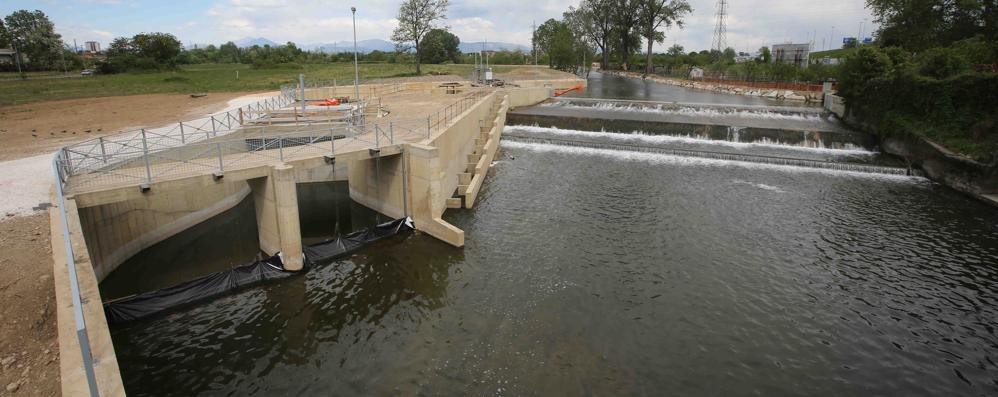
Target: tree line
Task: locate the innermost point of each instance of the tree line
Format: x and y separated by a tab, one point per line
932	73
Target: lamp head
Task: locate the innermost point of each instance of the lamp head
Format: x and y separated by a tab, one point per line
353	9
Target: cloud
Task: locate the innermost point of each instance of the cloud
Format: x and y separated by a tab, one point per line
749	24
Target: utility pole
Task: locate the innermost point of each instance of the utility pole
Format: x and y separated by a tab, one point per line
534	41
356	70
831	38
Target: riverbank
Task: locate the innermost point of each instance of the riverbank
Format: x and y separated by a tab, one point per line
29	347
785	95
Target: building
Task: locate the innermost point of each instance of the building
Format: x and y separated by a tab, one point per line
7	56
91	46
696	73
796	54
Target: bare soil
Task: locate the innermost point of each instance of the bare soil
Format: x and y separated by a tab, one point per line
43	127
29	346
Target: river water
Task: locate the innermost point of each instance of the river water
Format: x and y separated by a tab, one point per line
606	272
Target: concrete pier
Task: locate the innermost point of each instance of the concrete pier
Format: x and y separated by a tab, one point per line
275	198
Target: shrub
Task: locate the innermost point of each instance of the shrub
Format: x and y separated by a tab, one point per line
941	63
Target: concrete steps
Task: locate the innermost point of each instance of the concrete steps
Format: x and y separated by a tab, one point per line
480	158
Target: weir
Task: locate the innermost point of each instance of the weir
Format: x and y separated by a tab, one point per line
760	159
425	150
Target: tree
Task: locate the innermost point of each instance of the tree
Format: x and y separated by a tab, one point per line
764	55
919	24
545	37
655	14
625	23
34	36
676	50
439	46
160	47
598	16
4	36
416	19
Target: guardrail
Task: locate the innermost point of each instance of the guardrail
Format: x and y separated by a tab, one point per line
74	283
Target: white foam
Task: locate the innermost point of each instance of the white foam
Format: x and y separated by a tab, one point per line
764	114
657	158
762	186
641	137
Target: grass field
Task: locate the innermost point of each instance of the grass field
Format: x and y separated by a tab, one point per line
203	78
836	53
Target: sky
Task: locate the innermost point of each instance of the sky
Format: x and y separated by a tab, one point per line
750	23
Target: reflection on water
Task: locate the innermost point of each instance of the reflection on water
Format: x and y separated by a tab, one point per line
616	87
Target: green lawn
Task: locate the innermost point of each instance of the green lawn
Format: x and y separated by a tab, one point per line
836	53
201	78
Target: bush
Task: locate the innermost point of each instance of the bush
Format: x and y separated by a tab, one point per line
861	66
941	63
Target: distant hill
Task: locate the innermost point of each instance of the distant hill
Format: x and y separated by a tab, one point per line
476	46
363	46
260	41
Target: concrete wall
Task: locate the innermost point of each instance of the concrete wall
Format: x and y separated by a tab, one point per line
71	370
835	104
528	96
379	184
115	232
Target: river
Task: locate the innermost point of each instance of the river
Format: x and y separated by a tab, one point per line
606	272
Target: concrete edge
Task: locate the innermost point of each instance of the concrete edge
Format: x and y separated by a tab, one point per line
71	372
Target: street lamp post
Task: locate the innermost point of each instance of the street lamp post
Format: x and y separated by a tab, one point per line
356	71
17	57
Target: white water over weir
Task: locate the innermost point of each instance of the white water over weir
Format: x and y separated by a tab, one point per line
761	159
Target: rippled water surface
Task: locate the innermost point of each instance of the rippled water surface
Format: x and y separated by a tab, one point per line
592	272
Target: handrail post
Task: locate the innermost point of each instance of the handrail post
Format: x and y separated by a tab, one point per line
182	138
145	151
332	141
428	127
280	146
103	152
391	134
377	137
214	132
221	167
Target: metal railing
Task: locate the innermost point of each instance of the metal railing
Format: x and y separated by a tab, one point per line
441	119
368	89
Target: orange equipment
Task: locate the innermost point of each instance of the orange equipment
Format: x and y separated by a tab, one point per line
563	92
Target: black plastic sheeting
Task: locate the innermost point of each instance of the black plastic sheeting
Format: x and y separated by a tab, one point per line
151	303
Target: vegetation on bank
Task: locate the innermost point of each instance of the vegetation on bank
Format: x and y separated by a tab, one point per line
933	76
205	78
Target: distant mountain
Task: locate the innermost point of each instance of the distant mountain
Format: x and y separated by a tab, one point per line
476	46
363	46
260	41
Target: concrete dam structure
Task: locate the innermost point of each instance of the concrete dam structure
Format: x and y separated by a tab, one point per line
421	150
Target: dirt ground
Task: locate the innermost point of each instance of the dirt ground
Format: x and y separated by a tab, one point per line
29	347
534	73
29	351
43	127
